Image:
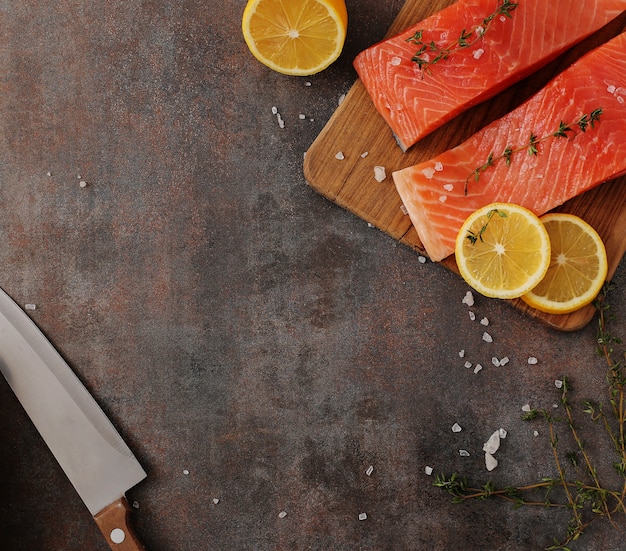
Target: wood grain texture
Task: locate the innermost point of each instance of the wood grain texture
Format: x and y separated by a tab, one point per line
356	128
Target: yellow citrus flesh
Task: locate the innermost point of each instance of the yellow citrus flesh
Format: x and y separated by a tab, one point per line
578	266
295	37
502	250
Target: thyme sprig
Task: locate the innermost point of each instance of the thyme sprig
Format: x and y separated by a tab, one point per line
577	486
473	237
429	53
583	123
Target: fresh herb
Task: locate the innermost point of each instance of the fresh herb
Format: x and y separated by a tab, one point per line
475	236
578	485
531	146
430	53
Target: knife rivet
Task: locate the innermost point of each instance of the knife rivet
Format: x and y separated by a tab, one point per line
118	535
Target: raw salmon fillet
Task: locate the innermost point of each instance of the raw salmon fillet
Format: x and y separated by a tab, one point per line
416	101
434	192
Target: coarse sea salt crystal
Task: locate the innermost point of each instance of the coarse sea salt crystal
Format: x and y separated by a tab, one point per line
468	299
438	166
428	173
502	433
504	361
307	83
532	360
340	156
379	173
464	453
302	116
468	364
461	353
526	407
341	98
487	337
456	428
30	307
484	321
421	259
443	198
558	383
478	368
369	470
478	53
395	61
490	462
274	110
535	433
216	500
281	122
495	361
611	89
428	470
282	514
362	516
448	187
492	445
472	315
364	154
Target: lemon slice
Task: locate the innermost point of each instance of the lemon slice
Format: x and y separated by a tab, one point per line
578	266
295	37
502	250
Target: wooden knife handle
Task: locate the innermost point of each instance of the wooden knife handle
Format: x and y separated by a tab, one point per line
114	523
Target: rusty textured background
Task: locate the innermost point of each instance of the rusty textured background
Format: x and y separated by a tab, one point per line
233	323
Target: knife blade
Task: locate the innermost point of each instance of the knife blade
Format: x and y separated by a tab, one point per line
89	449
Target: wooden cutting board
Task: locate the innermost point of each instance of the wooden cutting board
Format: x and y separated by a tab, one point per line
356	128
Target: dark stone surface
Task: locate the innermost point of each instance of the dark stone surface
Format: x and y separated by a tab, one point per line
235	324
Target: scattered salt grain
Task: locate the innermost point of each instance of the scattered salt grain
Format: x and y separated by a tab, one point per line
480	30
307	83
487	337
364	154
443	198
468	299
428	173
477	368
421	259
395	61
282	514
340	156
362	516
135	504
502	432
302	116
274	110
484	322
526	407
611	89
369	470
448	187
438	166
281	122
468	364
341	98
502	19
428	470
456	428
558	383
478	53
495	361
30	306
216	500
532	360
472	316
185	472
461	353
492	445
464	453
379	173
48	173
535	433
82	183
504	361
490	462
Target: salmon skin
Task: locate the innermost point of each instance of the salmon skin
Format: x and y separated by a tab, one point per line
415	99
521	159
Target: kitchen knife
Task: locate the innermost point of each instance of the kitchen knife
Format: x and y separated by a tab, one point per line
81	437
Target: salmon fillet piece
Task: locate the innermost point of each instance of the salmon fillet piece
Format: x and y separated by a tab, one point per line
439	194
415	101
